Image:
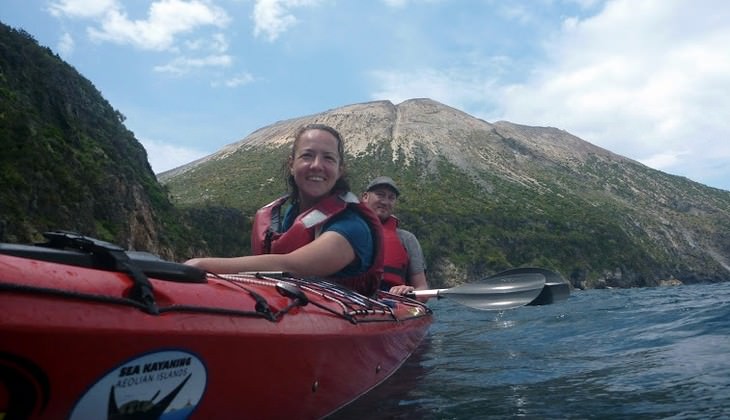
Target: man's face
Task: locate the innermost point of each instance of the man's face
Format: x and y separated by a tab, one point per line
381	201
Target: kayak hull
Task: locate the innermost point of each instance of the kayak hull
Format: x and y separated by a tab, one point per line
74	344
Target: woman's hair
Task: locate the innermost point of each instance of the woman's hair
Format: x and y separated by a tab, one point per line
342	183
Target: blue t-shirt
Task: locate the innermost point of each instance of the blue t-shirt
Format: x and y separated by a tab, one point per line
354	228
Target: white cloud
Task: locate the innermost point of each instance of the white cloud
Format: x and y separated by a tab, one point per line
166	20
584	4
173	26
516	12
395	3
273	17
457	88
663	160
649	80
217	43
165	156
66	45
185	65
82	8
240	80
466	88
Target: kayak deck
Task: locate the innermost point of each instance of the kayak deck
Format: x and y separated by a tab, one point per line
81	342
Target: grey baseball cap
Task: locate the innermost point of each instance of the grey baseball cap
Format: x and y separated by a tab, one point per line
383	180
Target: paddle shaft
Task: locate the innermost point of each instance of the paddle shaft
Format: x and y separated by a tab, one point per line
429	293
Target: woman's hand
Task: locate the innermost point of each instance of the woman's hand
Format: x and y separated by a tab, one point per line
401	290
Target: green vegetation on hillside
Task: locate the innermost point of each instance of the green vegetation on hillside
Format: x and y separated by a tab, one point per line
67	159
456	218
69	163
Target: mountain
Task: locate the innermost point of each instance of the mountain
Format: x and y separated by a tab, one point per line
483	197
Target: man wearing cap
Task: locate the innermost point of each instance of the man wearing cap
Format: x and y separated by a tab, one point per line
404	265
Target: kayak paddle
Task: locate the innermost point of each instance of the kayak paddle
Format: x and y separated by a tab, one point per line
506	290
555	290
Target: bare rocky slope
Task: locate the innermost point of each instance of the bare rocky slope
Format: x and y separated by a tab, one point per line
487	196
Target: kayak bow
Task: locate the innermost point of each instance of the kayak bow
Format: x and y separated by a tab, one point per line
91	331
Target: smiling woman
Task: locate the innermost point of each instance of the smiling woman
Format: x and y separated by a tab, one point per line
319	229
316	164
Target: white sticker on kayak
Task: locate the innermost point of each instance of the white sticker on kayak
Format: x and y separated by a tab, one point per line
165	385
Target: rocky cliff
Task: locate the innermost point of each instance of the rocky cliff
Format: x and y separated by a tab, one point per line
68	162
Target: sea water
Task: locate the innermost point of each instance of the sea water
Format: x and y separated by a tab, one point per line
648	353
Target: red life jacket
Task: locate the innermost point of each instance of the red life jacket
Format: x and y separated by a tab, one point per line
395	261
266	238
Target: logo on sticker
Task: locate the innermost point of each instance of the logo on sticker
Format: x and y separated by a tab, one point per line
163	385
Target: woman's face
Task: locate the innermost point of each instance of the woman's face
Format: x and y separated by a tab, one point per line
315	165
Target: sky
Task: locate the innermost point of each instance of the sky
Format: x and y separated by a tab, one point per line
646	79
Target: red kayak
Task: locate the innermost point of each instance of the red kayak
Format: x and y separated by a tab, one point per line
89	330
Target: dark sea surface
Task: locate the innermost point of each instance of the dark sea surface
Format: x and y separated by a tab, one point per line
650	353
